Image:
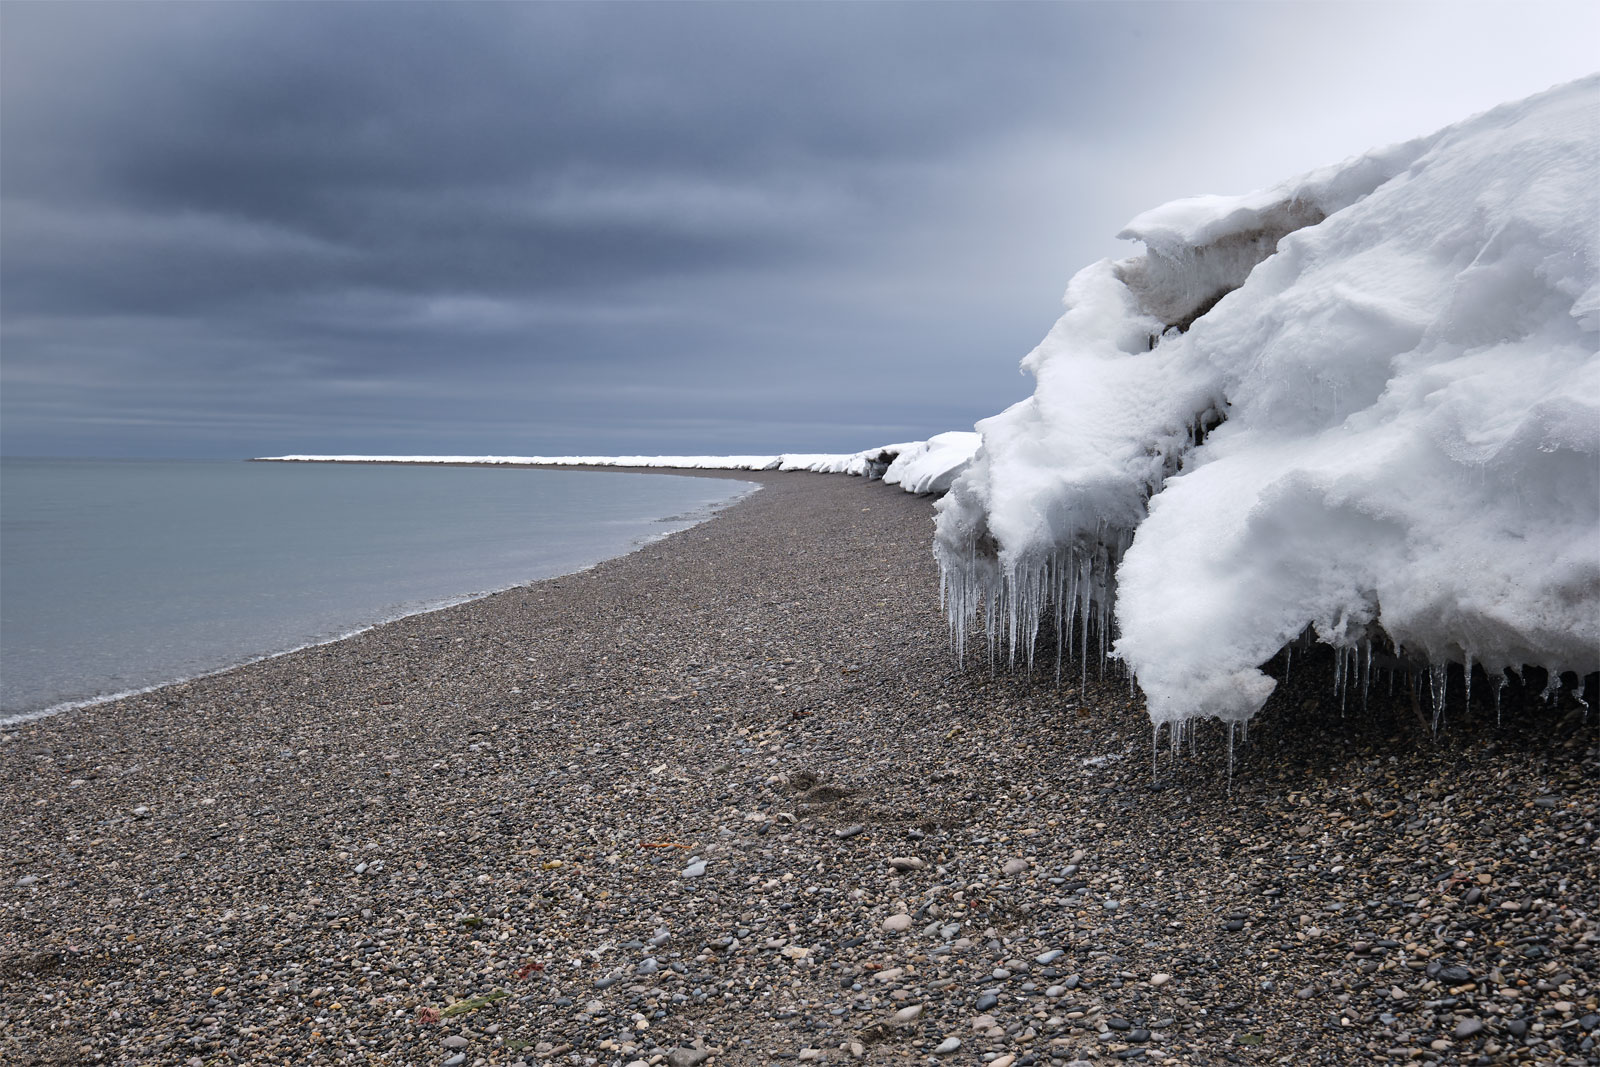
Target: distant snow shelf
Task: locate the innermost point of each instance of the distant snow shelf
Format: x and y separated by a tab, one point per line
1364	402
916	466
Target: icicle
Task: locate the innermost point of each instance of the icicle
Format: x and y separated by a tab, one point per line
1344	681
1498	689
1366	672
1155	750
1085	576
1439	690
1101	621
1057	574
1230	758
1288	661
1468	675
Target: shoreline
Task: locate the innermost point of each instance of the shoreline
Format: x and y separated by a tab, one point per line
693	518
305	859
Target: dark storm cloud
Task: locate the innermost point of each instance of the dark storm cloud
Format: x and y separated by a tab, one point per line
560	227
489	148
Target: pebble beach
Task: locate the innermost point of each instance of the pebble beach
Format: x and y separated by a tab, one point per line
732	800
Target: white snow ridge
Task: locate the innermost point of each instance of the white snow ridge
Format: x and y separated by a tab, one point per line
1366	401
916	466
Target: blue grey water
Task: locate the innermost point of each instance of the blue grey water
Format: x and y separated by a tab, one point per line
121	575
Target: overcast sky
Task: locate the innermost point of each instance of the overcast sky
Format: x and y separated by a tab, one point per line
239	229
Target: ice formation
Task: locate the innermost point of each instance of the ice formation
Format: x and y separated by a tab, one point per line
1365	401
917	466
931	466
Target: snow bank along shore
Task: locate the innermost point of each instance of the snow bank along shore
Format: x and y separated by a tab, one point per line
916	466
1365	401
1362	405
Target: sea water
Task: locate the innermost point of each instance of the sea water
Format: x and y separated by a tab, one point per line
120	575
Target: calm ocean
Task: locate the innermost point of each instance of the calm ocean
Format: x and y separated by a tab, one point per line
119	575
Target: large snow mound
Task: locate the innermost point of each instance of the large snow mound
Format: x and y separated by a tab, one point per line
931	466
917	466
1365	401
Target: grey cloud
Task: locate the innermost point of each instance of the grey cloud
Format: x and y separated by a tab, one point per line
579	227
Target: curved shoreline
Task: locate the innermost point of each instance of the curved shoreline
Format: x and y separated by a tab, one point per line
681	520
304	859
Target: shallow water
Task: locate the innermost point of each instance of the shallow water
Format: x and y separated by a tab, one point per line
120	575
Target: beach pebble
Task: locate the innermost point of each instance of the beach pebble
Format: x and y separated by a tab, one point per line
850	831
897	924
696	869
947	1046
587	800
1014	867
454	1041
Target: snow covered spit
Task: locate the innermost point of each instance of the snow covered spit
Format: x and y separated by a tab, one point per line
1366	401
916	466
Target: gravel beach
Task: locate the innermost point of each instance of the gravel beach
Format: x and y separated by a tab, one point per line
730	800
